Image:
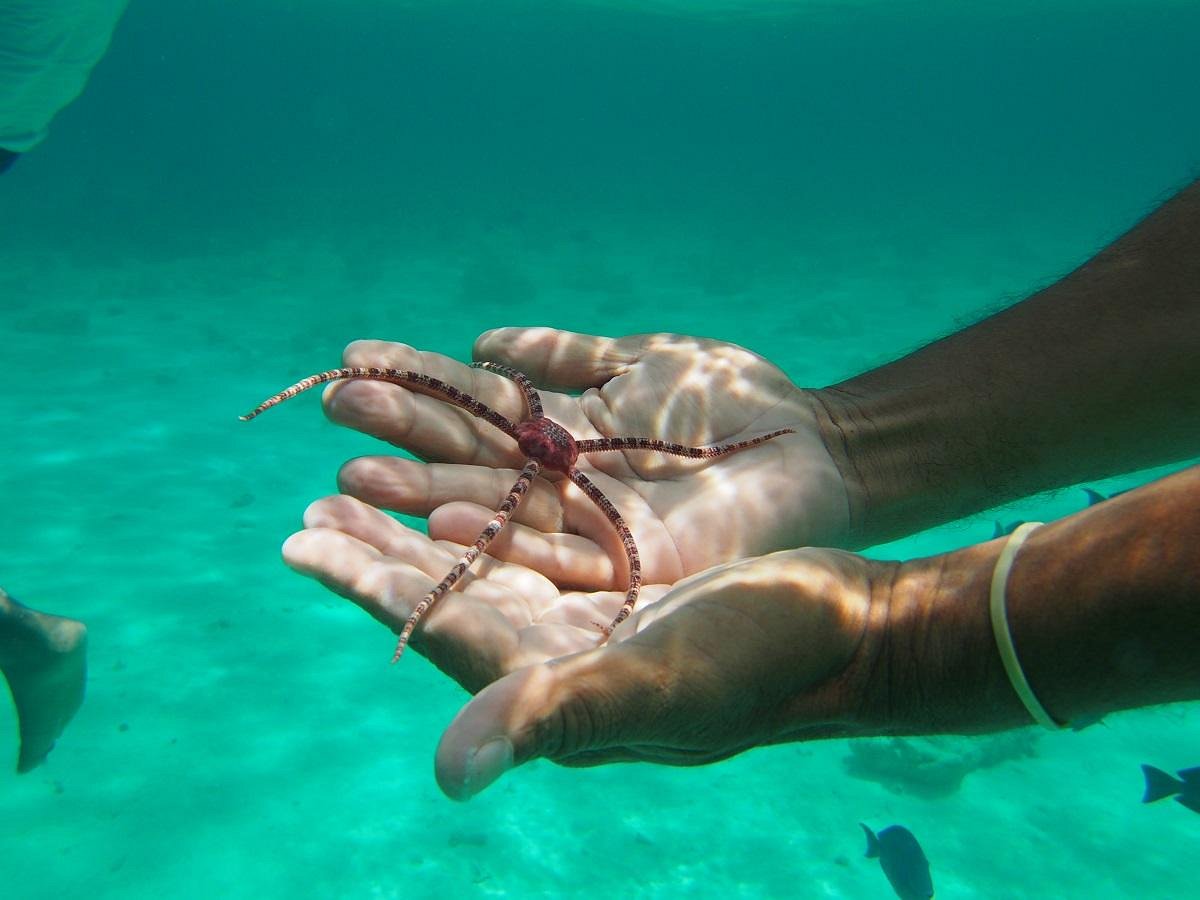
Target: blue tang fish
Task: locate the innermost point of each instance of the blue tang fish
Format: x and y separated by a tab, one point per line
1185	789
903	861
1094	497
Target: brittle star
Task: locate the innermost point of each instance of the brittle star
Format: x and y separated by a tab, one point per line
546	445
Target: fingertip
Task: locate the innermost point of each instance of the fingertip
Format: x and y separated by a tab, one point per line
356	352
360	403
462	775
558	359
295	549
322	513
358	475
511	345
373	352
484	344
322	547
494	732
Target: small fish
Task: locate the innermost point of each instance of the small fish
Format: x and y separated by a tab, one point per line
1000	529
1087	720
1185	788
903	861
1094	497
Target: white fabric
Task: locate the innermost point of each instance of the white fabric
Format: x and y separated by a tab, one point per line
47	51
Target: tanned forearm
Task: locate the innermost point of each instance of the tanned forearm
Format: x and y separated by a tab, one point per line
1103	606
1096	375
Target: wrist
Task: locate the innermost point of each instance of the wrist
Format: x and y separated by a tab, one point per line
840	430
937	669
1102	612
877	446
912	456
1103	604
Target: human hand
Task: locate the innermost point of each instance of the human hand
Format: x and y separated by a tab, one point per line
758	651
685	516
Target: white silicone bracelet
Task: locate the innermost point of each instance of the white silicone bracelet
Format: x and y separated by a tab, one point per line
1004	641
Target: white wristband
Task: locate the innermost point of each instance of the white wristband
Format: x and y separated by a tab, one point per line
1004	641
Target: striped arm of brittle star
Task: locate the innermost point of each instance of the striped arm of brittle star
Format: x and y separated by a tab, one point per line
594	494
533	402
511	502
416	381
599	445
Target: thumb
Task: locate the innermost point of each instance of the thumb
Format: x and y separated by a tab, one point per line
564	708
493	732
560	359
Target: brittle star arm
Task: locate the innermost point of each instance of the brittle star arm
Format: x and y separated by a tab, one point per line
532	399
594	494
417	381
599	445
506	509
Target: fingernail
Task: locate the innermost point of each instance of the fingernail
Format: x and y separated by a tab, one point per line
487	763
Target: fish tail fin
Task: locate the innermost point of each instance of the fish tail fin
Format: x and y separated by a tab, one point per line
1191	803
1190	776
1094	497
872	841
1159	784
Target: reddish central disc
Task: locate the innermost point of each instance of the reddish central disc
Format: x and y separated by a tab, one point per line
548	443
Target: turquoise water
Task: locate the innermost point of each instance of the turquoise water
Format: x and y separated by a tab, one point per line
245	188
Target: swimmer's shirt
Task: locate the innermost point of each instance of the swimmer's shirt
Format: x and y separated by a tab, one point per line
47	50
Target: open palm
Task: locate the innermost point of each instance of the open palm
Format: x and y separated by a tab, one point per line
682	681
500	617
685	515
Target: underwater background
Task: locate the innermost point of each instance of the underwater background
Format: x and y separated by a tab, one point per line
246	187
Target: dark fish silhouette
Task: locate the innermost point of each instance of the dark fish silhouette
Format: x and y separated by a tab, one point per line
1087	720
1095	497
903	861
1000	529
1185	789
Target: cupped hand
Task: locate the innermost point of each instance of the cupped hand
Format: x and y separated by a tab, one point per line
685	515
762	650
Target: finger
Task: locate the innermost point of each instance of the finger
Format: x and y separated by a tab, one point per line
576	706
560	359
571	561
520	594
470	639
429	426
417	489
356	570
375	561
392	539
